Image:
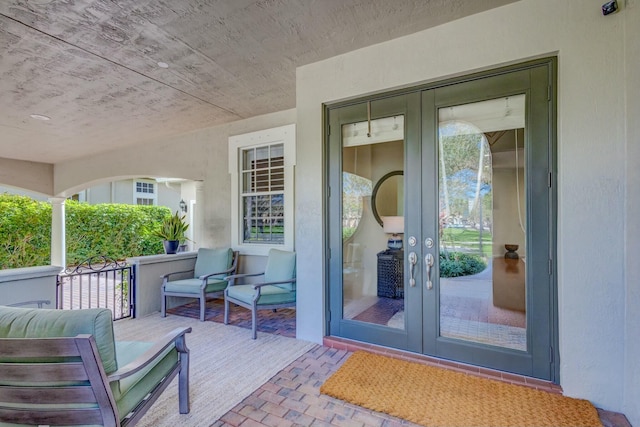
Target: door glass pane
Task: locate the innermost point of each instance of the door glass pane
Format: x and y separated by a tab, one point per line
373	221
482	222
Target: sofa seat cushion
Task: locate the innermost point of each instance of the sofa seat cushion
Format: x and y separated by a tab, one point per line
130	391
269	294
192	286
50	323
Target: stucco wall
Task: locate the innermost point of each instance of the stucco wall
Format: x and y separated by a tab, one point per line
30	176
591	153
632	231
200	155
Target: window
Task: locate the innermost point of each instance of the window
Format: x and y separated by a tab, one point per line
261	164
144	193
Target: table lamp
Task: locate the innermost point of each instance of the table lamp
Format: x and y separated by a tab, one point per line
393	225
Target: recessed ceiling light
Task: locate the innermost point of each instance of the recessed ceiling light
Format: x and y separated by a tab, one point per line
163	65
40	117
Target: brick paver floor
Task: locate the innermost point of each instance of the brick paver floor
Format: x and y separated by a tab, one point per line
292	397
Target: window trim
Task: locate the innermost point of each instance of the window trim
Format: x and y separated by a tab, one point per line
285	135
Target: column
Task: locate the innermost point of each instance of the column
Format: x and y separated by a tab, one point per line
58	241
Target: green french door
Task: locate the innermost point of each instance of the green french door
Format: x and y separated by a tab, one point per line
441	220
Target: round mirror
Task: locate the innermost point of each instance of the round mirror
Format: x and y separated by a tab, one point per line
387	198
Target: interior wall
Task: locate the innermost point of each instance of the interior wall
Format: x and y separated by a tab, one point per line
372	162
590	179
506	224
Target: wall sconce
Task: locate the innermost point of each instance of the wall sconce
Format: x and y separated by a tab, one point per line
183	206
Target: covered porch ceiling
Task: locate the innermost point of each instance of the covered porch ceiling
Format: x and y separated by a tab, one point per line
82	77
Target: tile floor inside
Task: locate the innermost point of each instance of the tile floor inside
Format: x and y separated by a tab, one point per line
467	311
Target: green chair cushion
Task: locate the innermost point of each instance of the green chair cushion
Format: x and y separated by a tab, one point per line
130	391
192	286
269	294
49	323
281	265
212	261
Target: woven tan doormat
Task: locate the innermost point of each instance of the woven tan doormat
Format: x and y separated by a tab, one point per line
432	396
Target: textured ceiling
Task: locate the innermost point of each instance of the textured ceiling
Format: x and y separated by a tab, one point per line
92	65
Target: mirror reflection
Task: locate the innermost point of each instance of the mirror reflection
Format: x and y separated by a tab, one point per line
387	198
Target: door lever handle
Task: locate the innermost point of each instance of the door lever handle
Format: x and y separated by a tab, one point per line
413	260
428	260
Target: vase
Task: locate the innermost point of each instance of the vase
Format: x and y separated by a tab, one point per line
511	251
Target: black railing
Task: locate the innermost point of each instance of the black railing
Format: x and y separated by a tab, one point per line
98	282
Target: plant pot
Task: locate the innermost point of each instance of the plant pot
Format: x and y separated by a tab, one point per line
171	246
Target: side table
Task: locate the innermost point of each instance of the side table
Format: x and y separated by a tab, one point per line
391	273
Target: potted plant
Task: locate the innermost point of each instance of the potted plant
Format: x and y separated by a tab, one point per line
172	232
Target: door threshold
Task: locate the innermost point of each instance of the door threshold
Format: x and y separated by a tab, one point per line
507	377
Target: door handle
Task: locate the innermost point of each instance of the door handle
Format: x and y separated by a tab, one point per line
428	260
413	260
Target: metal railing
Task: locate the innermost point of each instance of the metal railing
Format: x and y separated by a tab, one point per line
98	282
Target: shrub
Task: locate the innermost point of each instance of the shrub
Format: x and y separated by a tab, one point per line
115	230
25	232
456	264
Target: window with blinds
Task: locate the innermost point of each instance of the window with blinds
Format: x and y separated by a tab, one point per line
262	194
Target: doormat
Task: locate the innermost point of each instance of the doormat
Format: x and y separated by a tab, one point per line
432	396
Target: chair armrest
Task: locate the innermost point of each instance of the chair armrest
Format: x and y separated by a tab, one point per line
176	336
166	276
206	276
232	279
259	285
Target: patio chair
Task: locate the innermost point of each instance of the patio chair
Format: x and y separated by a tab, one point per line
63	367
212	265
277	290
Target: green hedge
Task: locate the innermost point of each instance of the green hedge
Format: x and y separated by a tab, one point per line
115	230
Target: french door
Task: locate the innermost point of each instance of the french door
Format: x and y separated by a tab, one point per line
441	220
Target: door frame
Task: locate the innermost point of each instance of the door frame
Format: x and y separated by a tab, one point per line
544	65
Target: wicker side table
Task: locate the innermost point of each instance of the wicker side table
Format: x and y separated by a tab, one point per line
391	274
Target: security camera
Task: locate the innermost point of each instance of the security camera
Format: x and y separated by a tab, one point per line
609	7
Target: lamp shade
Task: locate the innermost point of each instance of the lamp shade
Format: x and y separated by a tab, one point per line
393	224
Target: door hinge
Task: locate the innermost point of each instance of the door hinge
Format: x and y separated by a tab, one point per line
329	316
328	130
550	354
549	180
328	192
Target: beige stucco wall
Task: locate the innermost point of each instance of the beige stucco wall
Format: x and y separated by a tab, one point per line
30	176
200	156
591	153
631	42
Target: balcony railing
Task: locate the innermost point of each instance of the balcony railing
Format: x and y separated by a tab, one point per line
98	282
